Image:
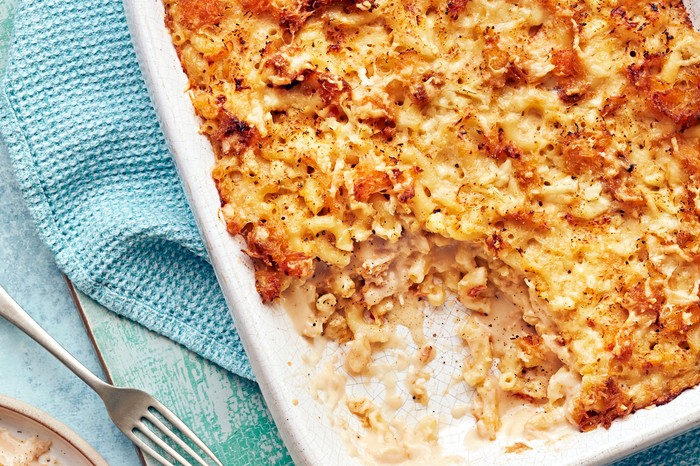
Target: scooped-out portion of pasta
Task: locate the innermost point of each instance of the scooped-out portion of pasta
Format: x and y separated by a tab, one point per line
545	153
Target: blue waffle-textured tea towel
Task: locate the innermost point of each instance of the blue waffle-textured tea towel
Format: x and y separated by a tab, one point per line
98	178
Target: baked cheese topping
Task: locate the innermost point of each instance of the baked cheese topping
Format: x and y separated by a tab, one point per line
541	152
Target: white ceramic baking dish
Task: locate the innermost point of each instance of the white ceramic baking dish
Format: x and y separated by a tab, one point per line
276	349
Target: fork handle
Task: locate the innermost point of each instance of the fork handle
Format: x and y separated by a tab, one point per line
12	311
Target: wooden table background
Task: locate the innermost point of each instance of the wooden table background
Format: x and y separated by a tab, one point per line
226	411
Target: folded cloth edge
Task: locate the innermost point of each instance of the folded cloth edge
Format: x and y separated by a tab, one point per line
66	259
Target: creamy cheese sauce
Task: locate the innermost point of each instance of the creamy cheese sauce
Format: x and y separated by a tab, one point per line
29	451
503	324
379	432
386	438
299	304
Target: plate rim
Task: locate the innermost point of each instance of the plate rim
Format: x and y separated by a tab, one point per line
37	416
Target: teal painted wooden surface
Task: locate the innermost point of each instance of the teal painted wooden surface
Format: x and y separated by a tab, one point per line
7	9
226	411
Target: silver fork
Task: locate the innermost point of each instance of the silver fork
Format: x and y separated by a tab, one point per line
129	408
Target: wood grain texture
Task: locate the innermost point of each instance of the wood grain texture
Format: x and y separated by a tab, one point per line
7	10
226	411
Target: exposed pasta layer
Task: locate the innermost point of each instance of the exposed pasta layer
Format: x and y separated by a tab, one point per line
378	150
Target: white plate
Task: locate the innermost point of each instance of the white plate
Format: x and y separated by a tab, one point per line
276	350
25	421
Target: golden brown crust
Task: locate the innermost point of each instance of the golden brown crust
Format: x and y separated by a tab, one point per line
605	402
196	13
234	135
571	75
558	140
